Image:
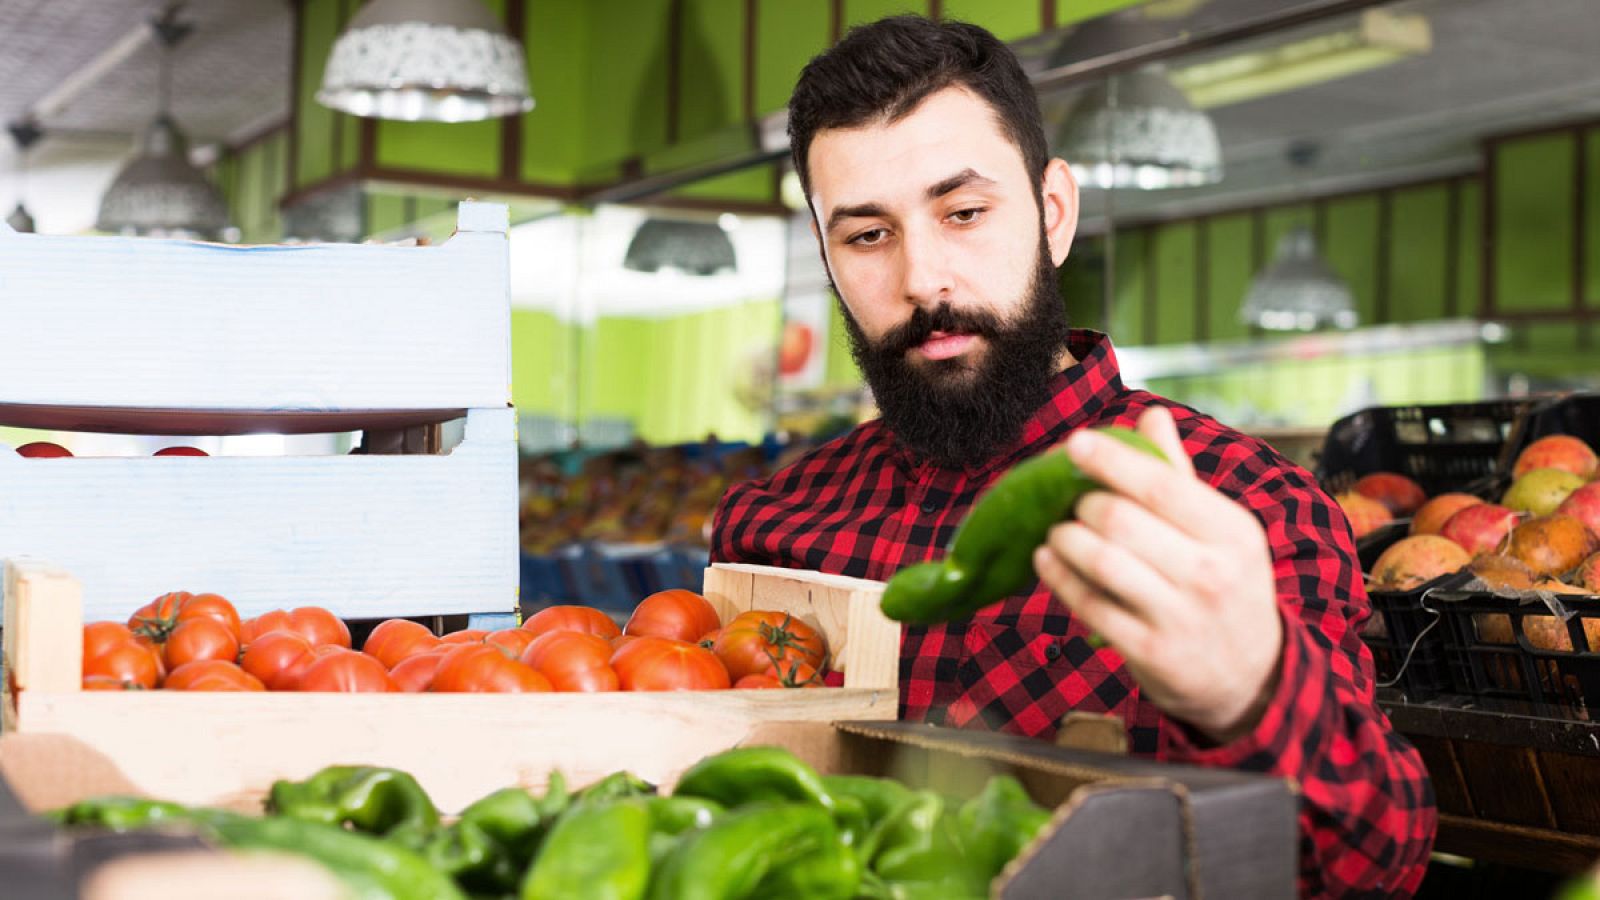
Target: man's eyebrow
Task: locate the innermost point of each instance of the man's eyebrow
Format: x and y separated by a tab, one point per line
961	179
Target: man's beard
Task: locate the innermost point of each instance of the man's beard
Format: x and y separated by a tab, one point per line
960	412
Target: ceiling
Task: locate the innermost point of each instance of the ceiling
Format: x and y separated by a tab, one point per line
1495	66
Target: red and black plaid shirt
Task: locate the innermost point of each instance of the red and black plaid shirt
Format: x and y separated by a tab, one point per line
864	505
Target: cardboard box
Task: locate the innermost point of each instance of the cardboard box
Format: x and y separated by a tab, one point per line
140	322
234	745
1123	828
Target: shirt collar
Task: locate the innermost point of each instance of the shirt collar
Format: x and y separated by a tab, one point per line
1078	393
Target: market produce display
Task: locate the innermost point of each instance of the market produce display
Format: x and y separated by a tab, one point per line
673	641
991	555
749	822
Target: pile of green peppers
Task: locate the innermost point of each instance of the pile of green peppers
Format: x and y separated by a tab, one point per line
749	822
991	555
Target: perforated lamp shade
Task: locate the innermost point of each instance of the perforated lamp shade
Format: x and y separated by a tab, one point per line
699	248
1298	291
1140	132
159	193
426	60
20	219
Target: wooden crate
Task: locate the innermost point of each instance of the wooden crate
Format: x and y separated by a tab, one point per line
227	748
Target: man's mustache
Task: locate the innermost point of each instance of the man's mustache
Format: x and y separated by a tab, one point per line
945	318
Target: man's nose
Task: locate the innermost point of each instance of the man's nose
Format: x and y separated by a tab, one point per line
926	272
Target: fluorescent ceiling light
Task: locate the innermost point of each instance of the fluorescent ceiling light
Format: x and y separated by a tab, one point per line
1378	38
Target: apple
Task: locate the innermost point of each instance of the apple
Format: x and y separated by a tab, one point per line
1540	491
180	451
1557	451
1400	494
795	350
43	450
1480	527
1431	517
1583	504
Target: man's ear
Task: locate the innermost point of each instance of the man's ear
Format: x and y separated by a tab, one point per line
1058	196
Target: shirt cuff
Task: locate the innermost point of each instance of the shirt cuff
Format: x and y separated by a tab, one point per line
1278	742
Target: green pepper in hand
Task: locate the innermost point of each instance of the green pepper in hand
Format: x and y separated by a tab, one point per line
991	556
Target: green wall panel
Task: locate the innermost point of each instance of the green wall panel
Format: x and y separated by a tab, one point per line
555	38
711	66
1469	256
625	81
1350	245
1279	221
754	184
1128	299
384	212
1591	216
541	356
859	12
1083	282
1071	11
319	26
452	148
788	34
1007	19
839	367
1419	253
1533	181
1176	298
1228	272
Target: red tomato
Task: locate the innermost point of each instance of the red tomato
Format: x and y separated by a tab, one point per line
757	682
315	624
709	639
397	640
128	662
212	675
659	664
677	614
573	661
275	657
622	640
512	640
108	683
158	618
414	674
98	637
754	641
466	636
199	639
571	618
180	451
793	673
479	668
346	671
43	450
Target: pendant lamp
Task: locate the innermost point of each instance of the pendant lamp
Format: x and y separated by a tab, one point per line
1298	291
426	60
25	134
698	248
1138	130
158	193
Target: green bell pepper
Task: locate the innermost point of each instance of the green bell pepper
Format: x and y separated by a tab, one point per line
998	823
615	785
731	858
917	844
122	813
991	556
754	775
370	866
385	802
490	846
878	796
830	872
597	849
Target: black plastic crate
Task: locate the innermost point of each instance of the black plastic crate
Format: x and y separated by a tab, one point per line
1406	639
1574	414
1510	649
1443	447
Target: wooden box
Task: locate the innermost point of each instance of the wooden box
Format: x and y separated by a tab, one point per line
228	748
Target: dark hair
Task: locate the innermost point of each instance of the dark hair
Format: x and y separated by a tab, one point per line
885	69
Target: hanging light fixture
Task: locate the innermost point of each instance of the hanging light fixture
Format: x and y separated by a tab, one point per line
25	134
698	248
158	193
426	60
1298	291
1138	130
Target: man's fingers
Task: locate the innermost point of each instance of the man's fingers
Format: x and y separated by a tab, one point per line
1100	613
1157	425
1173	494
1114	571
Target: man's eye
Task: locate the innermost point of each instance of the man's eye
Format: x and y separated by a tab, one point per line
869	237
967	216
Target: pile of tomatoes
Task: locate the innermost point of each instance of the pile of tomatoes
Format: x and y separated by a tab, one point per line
674	641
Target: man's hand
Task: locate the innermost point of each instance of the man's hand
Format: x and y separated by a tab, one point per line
1176	576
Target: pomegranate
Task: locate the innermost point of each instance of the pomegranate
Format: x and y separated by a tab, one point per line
1541	490
1583	504
1551	545
1399	494
1415	561
1502	573
1431	517
1589	574
1365	514
1557	451
1480	527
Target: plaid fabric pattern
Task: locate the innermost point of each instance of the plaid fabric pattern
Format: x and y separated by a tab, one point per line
863	505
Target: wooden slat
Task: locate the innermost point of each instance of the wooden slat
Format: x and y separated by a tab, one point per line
1533	848
1574	786
1449	788
1504	784
43	622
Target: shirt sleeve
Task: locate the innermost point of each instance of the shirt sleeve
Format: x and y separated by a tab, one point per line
1367	814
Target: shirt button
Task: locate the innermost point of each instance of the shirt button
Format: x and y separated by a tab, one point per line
1052	651
930	507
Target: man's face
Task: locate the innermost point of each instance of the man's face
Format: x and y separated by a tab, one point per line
943	256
